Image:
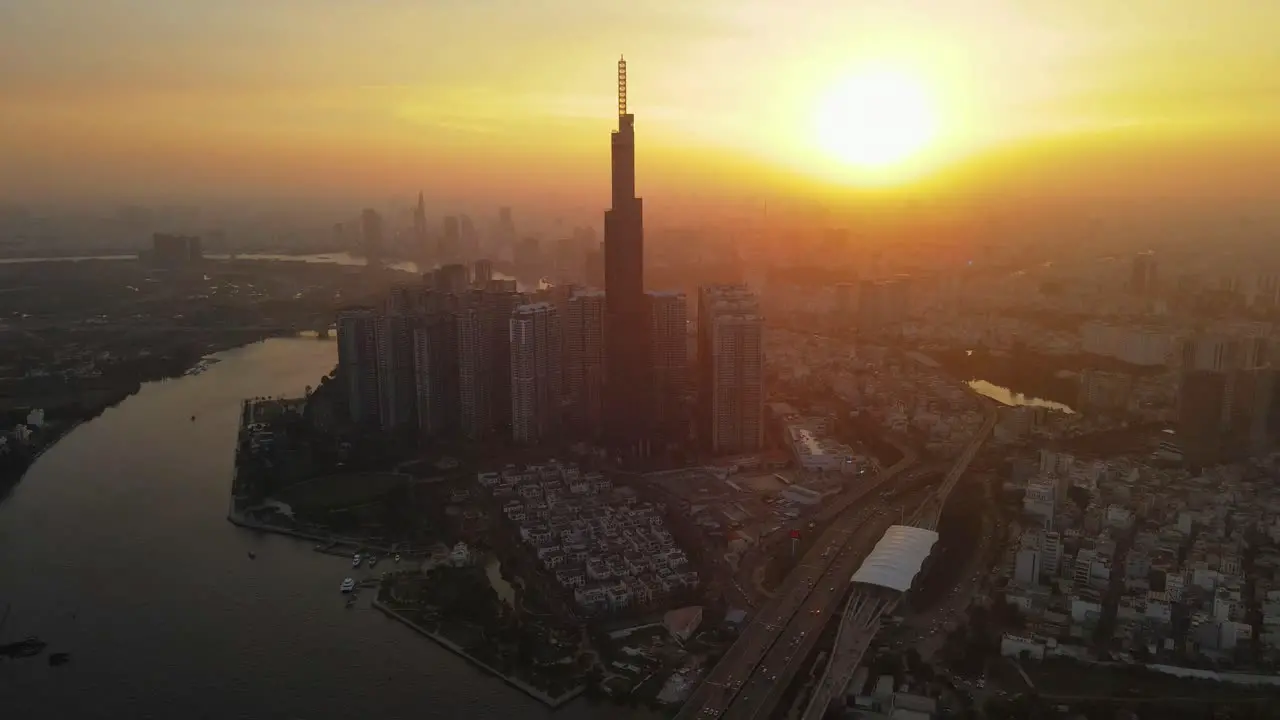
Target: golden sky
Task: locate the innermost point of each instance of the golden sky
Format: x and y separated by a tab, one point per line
468	96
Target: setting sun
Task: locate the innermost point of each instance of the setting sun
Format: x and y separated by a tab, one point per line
875	119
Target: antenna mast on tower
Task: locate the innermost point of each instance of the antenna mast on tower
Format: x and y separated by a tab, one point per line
622	86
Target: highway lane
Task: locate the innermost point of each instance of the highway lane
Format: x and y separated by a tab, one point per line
760	694
717	691
852	643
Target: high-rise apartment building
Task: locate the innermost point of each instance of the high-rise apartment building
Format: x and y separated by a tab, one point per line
435	361
585	362
397	387
731	369
627	421
484	357
451	278
1224	398
1142	278
536	379
483	272
669	363
358	363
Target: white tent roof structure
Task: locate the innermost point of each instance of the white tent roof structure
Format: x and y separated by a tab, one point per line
897	558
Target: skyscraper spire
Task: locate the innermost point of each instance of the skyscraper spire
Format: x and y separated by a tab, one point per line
622	86
627	331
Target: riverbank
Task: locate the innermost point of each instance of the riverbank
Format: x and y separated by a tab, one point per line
239	520
13	468
517	683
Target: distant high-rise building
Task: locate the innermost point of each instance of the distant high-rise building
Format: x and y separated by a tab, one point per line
1202	416
450	241
468	236
420	226
504	238
451	278
536	380
594	267
669	313
1142	279
584	355
435	358
397	386
1224	398
358	363
483	272
731	369
627	341
172	251
528	255
371	235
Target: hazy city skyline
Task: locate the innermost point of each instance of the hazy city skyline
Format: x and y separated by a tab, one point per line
496	99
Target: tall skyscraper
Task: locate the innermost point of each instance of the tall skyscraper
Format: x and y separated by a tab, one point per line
358	363
371	235
668	315
584	356
536	386
731	369
420	227
627	420
504	233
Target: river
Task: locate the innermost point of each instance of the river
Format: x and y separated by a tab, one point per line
115	548
341	258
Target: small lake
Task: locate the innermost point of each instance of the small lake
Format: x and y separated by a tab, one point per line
493	570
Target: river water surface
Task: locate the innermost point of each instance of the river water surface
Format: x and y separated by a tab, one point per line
115	548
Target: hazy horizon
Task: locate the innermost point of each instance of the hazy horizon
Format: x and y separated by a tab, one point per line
496	102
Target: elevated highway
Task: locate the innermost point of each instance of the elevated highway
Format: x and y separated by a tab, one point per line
811	585
860	620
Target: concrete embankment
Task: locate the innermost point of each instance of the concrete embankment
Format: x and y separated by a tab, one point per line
240	520
458	650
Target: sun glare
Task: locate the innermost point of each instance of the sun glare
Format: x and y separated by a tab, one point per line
875	119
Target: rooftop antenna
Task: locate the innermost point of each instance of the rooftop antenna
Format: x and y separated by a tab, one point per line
622	86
